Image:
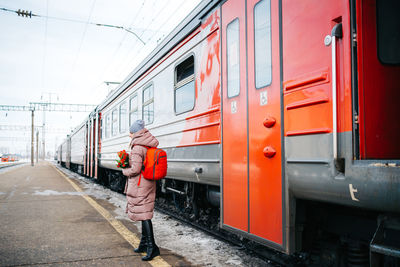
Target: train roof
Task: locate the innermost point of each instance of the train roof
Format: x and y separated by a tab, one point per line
187	26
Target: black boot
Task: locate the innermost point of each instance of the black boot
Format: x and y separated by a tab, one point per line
152	249
143	241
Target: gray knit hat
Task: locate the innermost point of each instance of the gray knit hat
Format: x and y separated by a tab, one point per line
136	126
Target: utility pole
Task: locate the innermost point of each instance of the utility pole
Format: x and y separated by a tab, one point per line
43	131
37	146
33	129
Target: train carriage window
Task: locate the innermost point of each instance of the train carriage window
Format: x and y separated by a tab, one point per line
114	122
133	109
262	43
184	86
107	126
233	58
388	31
123	116
148	104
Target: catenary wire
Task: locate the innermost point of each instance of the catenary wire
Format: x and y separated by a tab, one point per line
80	45
125	65
130	30
112	58
45	46
173	14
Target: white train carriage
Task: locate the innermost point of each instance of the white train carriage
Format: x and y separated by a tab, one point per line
178	98
65	152
78	148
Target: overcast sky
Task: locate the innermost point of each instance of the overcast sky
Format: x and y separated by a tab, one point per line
61	55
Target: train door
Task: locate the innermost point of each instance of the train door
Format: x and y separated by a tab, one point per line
378	63
252	180
92	145
87	142
68	153
96	144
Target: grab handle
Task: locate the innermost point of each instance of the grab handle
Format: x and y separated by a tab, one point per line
336	33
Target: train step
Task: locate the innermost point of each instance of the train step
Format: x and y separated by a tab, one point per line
385	245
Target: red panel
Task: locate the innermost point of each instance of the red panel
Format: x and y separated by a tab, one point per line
96	153
307	66
92	150
89	147
265	174
235	203
301	115
202	125
86	167
379	92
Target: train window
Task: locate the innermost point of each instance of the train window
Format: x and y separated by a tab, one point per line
262	43
107	126
114	122
133	109
184	86
148	104
233	58
388	25
123	116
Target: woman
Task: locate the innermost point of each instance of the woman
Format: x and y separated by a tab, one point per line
140	192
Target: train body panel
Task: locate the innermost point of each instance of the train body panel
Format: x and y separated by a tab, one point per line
267	106
78	146
191	137
313	170
63	150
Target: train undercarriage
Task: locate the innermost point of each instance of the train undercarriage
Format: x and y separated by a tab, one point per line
325	234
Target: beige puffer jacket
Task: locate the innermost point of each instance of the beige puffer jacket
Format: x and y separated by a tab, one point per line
140	198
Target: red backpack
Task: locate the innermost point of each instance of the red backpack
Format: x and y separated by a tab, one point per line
154	165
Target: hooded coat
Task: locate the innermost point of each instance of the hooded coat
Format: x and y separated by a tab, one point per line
140	198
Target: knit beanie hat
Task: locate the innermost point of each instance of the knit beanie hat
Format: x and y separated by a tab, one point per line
136	126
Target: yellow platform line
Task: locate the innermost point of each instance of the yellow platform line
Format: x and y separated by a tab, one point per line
118	226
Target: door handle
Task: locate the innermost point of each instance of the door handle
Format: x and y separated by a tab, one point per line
336	33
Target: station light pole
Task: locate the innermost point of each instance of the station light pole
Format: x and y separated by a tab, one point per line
37	146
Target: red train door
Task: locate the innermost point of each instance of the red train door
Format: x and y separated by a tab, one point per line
252	181
378	78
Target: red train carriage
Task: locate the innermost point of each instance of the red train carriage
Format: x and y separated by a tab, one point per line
283	114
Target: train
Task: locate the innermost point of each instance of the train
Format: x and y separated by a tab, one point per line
9	157
280	114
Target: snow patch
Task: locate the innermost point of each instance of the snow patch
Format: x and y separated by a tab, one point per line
197	247
56	193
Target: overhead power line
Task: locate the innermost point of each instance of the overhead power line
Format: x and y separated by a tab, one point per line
43	106
14	139
26	128
80	45
26	13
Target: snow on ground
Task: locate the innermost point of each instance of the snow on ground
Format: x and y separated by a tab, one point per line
196	246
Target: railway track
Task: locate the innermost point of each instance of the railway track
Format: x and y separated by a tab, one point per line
273	258
10	165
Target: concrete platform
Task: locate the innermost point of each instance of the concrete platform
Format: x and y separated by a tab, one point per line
45	219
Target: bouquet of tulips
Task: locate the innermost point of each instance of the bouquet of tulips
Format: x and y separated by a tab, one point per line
123	161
